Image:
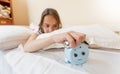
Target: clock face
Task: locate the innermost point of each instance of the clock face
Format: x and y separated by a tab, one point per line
77	55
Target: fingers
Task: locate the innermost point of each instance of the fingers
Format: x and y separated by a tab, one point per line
77	38
74	38
70	39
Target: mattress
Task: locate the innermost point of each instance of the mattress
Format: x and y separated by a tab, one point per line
100	61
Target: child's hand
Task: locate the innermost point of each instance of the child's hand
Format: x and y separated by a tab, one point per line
74	38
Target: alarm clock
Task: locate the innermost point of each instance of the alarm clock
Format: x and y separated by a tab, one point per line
77	55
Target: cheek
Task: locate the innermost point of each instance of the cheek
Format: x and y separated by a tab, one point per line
45	30
56	28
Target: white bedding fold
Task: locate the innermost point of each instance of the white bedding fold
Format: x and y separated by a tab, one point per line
52	62
27	63
4	66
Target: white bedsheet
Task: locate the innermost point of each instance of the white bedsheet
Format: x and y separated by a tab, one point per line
4	66
52	62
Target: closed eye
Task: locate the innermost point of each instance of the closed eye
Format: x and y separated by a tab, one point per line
47	25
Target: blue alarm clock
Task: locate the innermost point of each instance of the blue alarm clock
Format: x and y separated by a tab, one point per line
77	55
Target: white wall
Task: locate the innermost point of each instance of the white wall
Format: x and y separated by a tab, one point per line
77	12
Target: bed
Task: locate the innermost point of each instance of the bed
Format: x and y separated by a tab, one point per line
103	58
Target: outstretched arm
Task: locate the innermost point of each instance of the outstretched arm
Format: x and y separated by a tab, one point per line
33	45
74	38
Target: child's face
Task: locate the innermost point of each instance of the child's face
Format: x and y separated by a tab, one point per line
49	24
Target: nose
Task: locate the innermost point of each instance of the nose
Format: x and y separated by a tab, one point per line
51	29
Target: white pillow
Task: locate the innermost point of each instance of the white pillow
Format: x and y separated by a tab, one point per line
12	36
97	36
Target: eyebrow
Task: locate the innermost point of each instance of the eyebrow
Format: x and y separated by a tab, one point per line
46	24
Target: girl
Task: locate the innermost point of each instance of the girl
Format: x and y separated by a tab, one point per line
50	21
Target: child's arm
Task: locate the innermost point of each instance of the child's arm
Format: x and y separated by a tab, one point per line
74	38
33	45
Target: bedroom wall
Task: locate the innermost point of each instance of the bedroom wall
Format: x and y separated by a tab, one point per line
20	12
72	12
